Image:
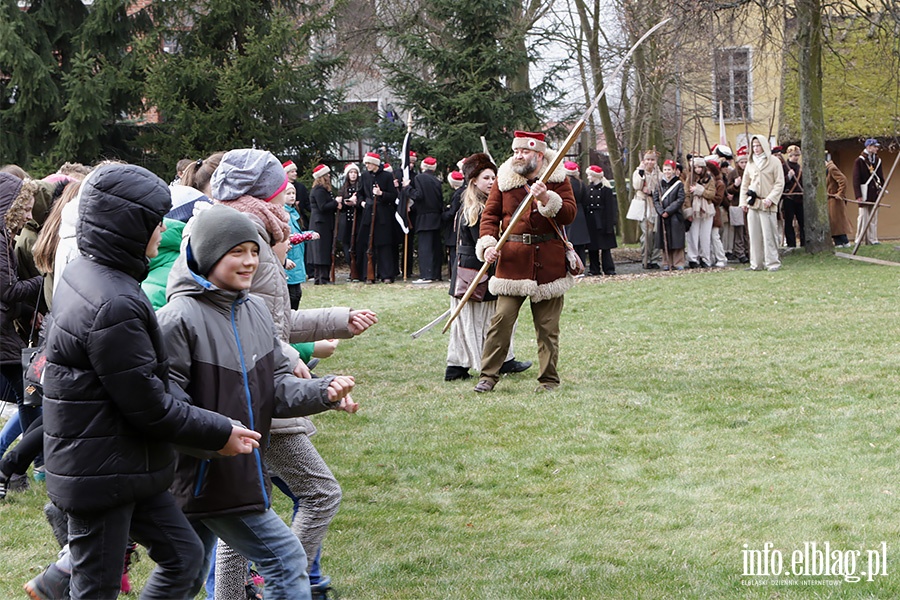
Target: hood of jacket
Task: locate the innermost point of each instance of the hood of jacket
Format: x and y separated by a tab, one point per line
762	142
508	179
10	186
120	207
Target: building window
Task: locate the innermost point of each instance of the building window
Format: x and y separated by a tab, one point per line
732	77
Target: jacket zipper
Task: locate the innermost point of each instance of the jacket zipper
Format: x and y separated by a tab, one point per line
252	425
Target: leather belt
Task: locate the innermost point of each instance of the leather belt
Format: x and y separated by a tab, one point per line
528	238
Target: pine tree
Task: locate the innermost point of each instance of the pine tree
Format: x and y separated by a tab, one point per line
243	74
69	76
456	59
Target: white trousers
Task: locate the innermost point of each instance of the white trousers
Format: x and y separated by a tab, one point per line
871	236
764	237
698	239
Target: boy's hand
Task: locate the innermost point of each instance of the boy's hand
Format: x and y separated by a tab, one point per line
241	441
360	320
302	371
340	388
348	405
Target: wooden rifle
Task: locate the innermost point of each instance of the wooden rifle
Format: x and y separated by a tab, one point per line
548	171
370	252
354	270
337	220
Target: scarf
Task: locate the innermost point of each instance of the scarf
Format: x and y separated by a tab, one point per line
274	218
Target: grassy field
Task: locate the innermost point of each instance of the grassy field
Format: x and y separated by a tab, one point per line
702	416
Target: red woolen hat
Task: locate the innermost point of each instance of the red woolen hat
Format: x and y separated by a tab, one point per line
529	141
372	158
289	166
429	163
320	171
412	154
742	151
595	170
571	167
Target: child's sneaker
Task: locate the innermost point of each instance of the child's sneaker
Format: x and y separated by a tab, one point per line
322	589
131	555
52	584
254	586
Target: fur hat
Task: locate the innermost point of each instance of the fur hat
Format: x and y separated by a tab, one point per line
387	167
571	168
429	163
372	158
455	179
289	166
214	232
248	172
351	167
742	152
320	171
475	164
529	141
595	171
698	161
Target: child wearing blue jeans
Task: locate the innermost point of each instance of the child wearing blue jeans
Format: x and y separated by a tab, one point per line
225	355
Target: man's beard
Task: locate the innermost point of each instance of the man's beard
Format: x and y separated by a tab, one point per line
525	168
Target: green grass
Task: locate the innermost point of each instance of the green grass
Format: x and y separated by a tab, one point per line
699	412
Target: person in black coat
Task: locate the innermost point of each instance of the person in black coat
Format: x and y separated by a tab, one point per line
379	196
668	200
110	412
451	207
602	212
349	214
322	220
577	232
429	201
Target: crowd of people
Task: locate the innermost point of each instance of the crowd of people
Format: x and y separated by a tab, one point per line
190	287
192	276
712	211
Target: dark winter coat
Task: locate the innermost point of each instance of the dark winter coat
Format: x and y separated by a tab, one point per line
387	207
110	414
467	237
349	214
602	213
17	296
671	204
322	222
579	231
865	170
225	355
429	201
448	217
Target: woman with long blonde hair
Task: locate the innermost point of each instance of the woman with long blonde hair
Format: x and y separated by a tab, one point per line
469	330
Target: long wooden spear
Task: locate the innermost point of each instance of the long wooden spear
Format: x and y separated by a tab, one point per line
560	156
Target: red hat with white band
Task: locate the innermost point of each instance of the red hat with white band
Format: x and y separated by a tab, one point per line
289	166
527	140
595	170
571	167
321	171
372	158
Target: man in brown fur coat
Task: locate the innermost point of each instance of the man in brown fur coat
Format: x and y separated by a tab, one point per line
533	261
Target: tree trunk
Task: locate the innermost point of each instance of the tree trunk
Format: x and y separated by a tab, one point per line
812	125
